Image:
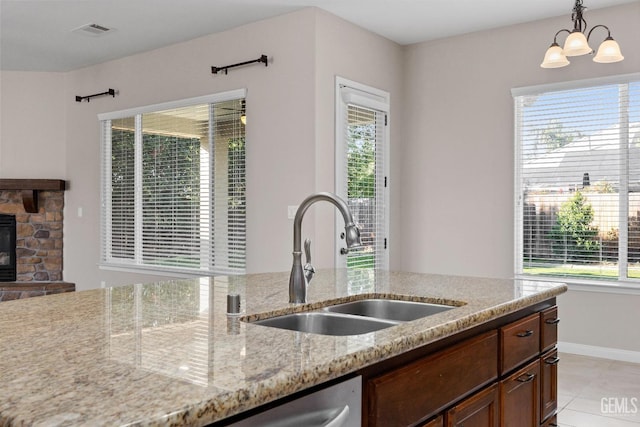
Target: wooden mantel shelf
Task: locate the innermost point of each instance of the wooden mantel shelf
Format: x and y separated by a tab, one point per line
30	188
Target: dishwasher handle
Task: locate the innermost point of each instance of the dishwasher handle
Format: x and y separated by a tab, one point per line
340	419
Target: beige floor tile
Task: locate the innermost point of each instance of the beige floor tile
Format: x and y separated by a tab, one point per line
564	399
618	408
584	381
571	418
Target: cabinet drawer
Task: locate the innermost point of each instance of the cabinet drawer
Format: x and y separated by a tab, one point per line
519	342
423	388
549	325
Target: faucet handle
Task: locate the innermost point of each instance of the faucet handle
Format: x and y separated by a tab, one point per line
309	271
307	250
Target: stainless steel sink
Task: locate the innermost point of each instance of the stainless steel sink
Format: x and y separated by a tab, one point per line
398	310
356	317
326	323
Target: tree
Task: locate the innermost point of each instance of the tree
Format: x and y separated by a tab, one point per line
554	136
361	158
573	235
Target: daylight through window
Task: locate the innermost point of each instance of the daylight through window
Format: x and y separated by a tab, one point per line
173	186
578	181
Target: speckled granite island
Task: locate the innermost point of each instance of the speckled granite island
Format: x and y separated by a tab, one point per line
166	353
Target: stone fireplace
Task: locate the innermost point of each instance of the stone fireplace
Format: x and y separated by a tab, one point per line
36	206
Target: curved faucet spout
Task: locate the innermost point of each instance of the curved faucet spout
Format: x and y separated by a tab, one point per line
297	280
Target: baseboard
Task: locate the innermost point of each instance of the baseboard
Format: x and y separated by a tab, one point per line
601	352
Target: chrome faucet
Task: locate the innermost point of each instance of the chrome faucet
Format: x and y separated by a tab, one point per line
300	277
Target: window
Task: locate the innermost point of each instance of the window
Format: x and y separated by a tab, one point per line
361	167
578	180
173	186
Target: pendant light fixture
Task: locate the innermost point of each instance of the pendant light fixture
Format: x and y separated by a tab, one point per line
577	44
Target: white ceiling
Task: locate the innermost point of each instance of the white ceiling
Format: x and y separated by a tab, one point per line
35	35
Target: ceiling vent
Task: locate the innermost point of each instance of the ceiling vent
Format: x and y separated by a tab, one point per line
93	30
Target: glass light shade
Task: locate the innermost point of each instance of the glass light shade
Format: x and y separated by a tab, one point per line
609	51
554	58
243	119
576	45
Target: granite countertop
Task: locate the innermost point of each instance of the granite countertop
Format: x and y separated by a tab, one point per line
166	352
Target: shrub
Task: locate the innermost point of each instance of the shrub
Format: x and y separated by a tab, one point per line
573	235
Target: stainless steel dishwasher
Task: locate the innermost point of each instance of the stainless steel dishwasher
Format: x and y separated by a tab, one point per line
339	405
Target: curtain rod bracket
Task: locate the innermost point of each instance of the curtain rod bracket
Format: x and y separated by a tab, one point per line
262	59
111	92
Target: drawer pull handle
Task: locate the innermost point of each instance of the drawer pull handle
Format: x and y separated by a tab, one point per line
552	321
526	378
553	361
524	334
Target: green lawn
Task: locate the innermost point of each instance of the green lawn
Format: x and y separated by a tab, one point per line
601	272
361	261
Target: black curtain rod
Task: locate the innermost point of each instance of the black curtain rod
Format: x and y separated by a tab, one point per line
262	59
111	92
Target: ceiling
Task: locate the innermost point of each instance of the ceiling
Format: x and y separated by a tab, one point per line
36	35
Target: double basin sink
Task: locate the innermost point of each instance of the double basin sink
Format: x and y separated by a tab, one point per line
355	317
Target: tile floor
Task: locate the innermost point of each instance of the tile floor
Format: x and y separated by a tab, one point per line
596	392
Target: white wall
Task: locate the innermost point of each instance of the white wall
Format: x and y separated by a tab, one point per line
348	51
457	170
287	102
32	125
280	130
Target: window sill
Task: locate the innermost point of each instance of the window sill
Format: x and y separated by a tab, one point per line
155	271
601	286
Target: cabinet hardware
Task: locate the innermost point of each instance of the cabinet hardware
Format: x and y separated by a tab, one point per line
553	361
552	321
526	378
524	334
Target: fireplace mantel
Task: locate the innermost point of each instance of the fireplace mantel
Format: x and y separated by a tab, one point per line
30	188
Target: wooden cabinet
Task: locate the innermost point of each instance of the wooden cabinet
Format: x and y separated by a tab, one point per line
549	325
503	374
519	342
548	384
479	410
520	397
551	422
425	387
436	422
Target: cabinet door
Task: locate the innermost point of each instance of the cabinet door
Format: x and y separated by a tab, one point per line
549	384
479	410
549	325
520	397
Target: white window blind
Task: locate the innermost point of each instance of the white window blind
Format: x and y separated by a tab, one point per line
174	186
578	181
362	170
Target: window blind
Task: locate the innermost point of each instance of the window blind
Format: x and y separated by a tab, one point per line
362	157
174	188
578	181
